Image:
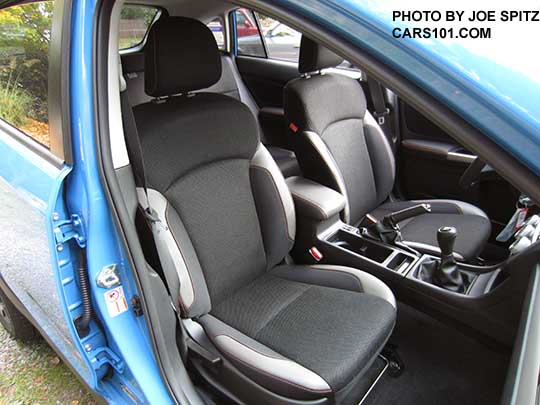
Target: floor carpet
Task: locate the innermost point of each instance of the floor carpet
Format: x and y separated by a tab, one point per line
442	366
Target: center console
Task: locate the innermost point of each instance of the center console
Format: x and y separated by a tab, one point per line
481	297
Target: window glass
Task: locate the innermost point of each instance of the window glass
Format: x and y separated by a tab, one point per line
249	41
134	24
282	42
25	35
217	29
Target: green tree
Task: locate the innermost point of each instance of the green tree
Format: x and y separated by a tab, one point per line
25	35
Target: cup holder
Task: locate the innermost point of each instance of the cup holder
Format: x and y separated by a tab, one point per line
361	246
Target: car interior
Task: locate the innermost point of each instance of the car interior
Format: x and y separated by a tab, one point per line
319	239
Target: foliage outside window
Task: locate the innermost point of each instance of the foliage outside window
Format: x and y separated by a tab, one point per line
25	35
135	21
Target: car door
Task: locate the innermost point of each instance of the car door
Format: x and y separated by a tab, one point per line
34	259
431	164
61	264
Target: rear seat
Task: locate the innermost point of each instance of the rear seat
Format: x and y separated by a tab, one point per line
229	84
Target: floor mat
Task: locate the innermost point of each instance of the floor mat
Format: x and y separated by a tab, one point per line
442	366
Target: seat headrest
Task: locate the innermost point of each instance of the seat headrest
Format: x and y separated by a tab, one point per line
315	57
181	55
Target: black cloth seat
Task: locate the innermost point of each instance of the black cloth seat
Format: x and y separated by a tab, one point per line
420	232
230	84
286	333
339	144
292	318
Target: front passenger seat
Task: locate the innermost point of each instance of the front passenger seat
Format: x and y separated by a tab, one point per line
286	333
339	144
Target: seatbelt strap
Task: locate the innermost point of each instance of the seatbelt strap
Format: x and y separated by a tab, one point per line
135	154
379	102
134	149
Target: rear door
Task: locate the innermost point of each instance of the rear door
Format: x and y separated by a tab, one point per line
432	163
35	260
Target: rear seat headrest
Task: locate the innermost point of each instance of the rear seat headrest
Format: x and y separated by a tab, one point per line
181	55
315	57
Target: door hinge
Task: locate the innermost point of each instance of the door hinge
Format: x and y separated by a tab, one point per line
102	356
68	229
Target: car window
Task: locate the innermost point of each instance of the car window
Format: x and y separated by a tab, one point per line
282	42
135	21
25	35
249	41
217	29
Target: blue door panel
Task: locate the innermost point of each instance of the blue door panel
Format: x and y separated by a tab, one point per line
28	191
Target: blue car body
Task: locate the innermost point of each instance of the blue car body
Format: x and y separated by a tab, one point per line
503	103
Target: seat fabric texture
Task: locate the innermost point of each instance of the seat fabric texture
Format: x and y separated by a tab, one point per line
340	145
294	319
420	232
228	223
230	84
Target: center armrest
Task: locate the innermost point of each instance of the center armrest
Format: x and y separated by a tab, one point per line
314	200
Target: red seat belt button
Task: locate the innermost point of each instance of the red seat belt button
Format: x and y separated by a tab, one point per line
316	254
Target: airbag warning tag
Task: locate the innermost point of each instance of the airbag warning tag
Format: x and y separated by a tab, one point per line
116	301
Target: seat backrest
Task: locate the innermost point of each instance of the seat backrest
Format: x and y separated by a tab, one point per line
228	213
337	141
229	82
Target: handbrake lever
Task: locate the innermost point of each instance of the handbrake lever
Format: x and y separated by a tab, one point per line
388	229
394	218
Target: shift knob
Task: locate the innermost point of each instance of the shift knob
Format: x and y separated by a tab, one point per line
446	236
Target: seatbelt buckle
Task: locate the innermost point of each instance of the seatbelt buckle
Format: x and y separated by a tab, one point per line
381	116
316	254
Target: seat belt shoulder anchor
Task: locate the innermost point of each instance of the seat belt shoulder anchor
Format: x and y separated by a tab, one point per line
381	115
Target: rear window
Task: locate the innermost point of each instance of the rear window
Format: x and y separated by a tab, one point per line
135	21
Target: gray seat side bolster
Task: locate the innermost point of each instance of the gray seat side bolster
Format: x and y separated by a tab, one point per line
268	367
322	150
382	157
275	206
370	284
178	258
342	277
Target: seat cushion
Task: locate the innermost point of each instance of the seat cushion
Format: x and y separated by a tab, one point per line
332	332
472	224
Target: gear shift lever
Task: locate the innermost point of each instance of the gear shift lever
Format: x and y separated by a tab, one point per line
445	273
446	237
